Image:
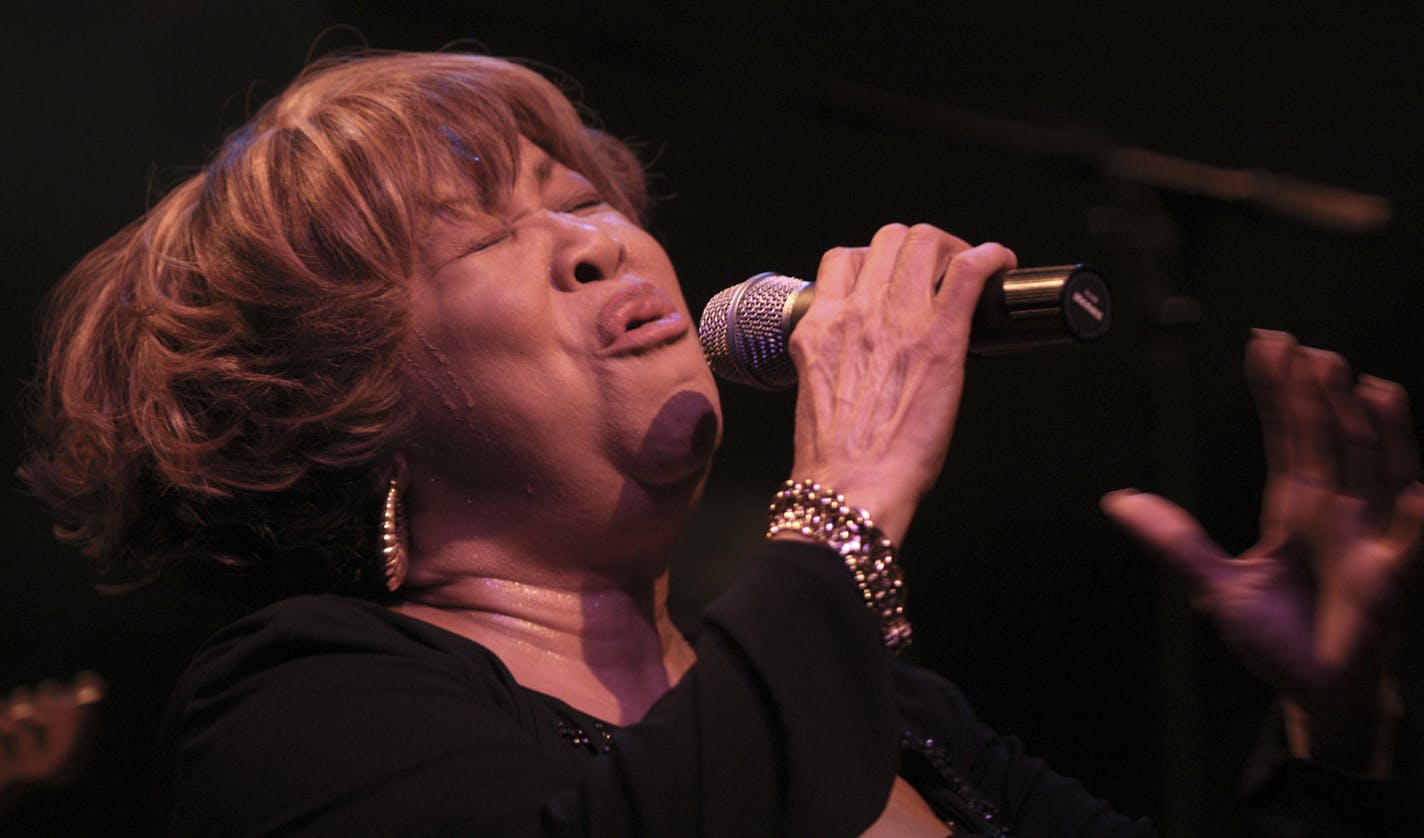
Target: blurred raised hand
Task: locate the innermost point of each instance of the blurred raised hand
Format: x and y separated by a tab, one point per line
1315	606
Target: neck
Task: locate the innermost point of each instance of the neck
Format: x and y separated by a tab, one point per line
610	650
566	616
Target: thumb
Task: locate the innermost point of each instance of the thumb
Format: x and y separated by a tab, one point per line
1168	531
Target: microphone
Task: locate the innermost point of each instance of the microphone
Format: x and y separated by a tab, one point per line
744	328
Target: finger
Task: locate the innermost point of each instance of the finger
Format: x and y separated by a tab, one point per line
924	257
1406	528
1268	357
1307	421
1388	407
1172	534
1353	450
836	274
965	277
874	274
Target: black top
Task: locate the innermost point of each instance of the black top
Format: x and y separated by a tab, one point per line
338	716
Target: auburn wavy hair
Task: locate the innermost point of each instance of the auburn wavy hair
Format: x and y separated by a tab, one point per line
219	381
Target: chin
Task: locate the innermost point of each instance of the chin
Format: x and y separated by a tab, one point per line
650	512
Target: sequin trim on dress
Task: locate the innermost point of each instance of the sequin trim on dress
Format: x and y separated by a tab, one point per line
983	819
600	741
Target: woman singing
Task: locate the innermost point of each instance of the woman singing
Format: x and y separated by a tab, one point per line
404	349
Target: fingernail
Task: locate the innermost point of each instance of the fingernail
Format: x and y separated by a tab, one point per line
1378	383
1331	364
1269	334
1116	495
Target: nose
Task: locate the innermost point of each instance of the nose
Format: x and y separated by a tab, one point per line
586	252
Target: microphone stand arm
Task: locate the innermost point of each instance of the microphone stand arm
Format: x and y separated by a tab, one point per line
1318	205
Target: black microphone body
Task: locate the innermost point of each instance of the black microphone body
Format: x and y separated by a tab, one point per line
744	328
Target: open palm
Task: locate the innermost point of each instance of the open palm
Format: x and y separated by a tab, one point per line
1314	606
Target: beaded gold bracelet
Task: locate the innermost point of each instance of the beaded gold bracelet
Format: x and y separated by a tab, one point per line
823	515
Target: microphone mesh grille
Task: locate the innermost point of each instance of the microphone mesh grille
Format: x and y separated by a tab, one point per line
743	332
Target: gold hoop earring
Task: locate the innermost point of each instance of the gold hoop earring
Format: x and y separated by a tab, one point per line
396	558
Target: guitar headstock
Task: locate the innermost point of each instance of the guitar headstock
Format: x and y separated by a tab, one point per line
45	731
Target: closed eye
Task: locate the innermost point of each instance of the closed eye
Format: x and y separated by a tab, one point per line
486	243
585	203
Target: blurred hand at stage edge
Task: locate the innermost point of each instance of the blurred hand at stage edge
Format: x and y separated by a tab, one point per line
1315	606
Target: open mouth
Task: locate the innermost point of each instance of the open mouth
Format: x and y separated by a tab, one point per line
637	318
636	322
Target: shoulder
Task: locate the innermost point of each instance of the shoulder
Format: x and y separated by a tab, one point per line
287	712
315	643
327	620
306	626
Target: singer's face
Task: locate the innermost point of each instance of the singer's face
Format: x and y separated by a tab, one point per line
551	349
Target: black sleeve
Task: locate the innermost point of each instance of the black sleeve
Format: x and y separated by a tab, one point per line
1289	796
784	726
1020	793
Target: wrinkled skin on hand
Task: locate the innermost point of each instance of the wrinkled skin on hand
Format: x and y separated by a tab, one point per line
880	357
1314	607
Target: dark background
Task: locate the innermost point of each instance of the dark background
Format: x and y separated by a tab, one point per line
776	131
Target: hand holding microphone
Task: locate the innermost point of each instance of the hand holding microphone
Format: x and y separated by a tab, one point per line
745	328
880	362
